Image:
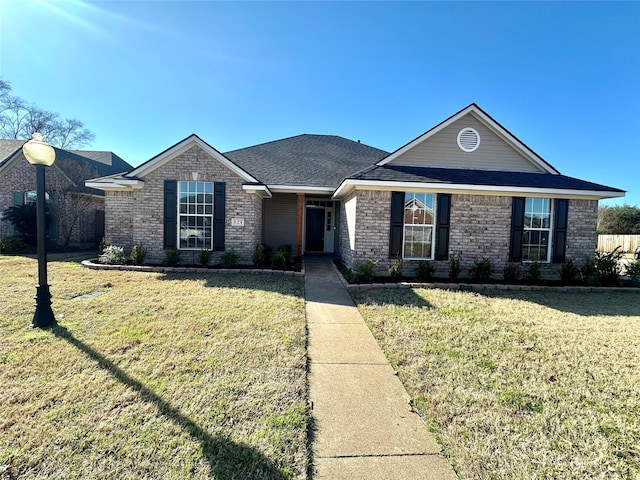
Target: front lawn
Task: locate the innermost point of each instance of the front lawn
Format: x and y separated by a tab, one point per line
152	376
519	384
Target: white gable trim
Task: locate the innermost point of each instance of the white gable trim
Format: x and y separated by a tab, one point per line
261	190
116	184
182	147
490	123
349	185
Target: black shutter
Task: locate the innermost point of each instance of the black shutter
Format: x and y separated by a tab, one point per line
218	215
18	199
443	215
170	214
397	224
560	230
517	229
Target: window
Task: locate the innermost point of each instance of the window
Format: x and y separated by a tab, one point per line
537	230
195	215
418	222
31	197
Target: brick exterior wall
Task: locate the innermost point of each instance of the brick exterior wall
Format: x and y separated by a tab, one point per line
480	227
364	229
22	178
137	216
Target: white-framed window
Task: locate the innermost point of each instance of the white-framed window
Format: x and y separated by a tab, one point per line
419	225
195	215
32	196
536	240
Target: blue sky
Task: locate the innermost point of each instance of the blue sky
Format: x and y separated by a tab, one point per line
563	77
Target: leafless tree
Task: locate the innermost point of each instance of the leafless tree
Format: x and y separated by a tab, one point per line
71	205
19	119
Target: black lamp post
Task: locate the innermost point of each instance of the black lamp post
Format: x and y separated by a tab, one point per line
41	154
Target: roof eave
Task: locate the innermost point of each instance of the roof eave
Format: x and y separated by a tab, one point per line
301	189
349	185
118	184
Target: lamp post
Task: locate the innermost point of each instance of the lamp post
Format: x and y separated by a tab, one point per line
41	154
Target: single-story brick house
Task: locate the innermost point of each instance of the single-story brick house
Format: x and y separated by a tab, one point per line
467	187
79	213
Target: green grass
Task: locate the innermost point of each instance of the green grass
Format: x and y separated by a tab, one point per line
160	376
519	384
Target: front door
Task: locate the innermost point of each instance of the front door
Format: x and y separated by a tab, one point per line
314	238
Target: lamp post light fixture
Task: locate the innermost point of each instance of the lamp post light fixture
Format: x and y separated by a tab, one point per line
41	154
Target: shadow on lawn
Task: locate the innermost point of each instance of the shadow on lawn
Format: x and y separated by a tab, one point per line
607	304
226	458
267	282
401	297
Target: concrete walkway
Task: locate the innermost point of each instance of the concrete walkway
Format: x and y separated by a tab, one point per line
364	427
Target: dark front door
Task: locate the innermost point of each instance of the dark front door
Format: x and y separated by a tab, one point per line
314	238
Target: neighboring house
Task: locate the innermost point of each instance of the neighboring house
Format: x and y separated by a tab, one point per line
77	211
467	187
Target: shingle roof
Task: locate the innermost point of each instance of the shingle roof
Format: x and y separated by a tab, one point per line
310	160
78	165
9	147
459	176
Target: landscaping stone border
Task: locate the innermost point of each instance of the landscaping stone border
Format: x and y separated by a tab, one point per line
477	287
93	265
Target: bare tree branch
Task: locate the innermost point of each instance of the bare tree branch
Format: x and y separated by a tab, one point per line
19	119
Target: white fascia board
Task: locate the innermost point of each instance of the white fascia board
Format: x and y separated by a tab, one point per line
300	189
261	190
489	123
118	184
349	185
182	147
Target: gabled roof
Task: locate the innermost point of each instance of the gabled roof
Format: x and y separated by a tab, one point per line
490	123
320	161
8	147
456	179
76	165
183	146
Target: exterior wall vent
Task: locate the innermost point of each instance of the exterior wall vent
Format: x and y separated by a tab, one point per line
468	139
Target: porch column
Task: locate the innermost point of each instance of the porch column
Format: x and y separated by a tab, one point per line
299	224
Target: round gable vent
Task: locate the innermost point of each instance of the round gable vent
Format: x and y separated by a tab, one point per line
468	139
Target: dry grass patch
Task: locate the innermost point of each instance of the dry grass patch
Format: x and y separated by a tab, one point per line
159	376
519	384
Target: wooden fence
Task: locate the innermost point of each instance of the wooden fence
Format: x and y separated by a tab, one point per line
608	243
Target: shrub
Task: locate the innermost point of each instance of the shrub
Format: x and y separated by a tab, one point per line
589	272
24	219
534	272
607	267
633	270
395	267
511	272
229	259
262	256
454	268
113	255
204	257
569	272
138	254
365	272
10	245
172	257
283	260
102	246
481	269
424	270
